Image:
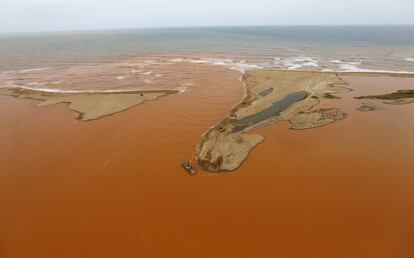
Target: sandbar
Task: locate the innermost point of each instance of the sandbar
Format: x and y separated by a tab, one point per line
90	105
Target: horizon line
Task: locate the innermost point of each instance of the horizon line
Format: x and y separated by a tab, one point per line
199	26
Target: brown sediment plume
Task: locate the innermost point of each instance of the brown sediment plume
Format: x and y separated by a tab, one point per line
399	97
272	96
90	105
114	187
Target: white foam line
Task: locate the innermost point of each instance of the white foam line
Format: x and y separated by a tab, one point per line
375	71
335	61
199	61
182	89
339	71
228	63
52	90
33	70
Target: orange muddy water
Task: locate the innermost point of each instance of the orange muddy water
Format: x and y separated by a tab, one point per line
114	187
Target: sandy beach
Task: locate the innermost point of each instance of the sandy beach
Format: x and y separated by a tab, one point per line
113	187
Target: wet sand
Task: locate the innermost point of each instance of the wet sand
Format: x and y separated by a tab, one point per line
114	188
271	96
90	105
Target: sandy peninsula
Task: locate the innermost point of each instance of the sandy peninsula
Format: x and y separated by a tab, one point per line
274	96
271	96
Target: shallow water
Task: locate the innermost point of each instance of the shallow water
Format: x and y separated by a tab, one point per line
274	110
114	187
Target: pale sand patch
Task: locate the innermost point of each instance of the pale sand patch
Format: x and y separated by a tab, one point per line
317	118
226	151
90	105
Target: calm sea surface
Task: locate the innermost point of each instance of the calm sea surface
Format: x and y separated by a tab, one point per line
341	48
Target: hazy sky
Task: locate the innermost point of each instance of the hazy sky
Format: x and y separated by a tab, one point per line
46	15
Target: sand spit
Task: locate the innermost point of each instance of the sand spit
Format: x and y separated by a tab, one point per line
90	105
271	96
399	97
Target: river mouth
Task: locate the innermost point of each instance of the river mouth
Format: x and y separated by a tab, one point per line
118	180
276	108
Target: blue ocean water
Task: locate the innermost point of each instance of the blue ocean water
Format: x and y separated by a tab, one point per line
343	48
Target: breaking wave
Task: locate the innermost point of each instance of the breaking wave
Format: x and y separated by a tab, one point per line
54	90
